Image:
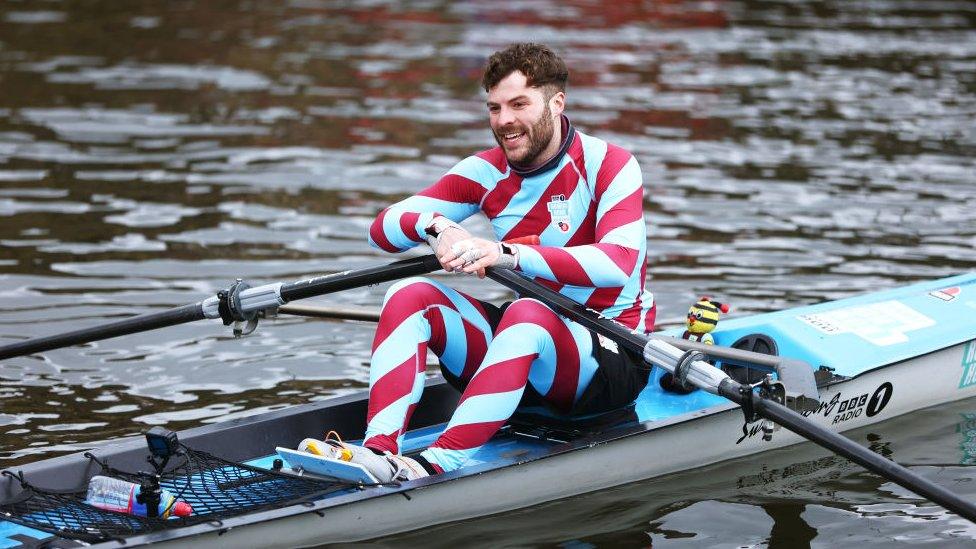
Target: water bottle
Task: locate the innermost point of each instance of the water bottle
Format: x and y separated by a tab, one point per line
114	494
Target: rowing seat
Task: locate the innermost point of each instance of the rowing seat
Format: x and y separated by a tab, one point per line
540	423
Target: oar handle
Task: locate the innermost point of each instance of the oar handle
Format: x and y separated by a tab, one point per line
532	240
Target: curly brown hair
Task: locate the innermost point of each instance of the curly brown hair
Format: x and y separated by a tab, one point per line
540	65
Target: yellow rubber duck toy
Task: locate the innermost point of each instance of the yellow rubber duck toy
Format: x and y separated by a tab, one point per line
702	318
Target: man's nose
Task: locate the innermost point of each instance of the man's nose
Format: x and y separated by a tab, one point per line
506	116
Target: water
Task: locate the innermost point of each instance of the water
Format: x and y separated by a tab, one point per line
152	152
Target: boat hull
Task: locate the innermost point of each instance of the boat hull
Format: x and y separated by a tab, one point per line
645	451
890	353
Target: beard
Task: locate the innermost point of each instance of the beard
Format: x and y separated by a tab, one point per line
539	135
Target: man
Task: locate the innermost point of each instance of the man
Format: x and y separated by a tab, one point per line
583	198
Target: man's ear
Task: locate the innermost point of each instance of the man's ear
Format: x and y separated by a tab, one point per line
557	103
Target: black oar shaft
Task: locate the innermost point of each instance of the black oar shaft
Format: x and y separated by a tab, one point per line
730	389
364	277
569	308
863	456
141	323
197	311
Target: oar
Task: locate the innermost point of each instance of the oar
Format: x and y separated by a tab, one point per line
702	374
368	315
239	303
318	311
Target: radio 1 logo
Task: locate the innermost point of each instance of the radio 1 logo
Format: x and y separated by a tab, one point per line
841	407
847	408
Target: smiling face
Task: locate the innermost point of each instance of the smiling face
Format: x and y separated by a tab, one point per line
524	121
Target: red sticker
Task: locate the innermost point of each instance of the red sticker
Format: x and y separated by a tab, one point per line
946	294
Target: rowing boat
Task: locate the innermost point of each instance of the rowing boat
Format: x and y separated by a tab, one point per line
873	358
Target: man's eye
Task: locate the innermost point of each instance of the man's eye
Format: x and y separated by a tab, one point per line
519	105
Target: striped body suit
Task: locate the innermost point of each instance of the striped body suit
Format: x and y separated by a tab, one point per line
586	207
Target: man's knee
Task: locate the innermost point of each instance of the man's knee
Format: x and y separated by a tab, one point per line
415	293
527	310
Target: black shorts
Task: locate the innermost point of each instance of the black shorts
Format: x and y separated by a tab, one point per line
620	377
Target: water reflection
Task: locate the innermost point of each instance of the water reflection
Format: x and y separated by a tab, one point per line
150	153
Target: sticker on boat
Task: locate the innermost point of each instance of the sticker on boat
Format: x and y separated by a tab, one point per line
968	365
946	294
842	407
883	323
850	407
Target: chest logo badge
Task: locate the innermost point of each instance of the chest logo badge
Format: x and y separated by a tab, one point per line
558	208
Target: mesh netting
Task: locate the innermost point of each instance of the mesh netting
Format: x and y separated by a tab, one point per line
215	488
64	514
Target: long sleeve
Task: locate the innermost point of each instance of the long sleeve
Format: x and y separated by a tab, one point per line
455	196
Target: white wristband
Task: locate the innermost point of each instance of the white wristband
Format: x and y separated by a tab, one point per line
507	260
436	227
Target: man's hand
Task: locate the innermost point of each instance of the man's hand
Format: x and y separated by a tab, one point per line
445	244
442	235
471	255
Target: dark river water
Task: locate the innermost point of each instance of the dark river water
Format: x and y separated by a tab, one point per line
793	152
